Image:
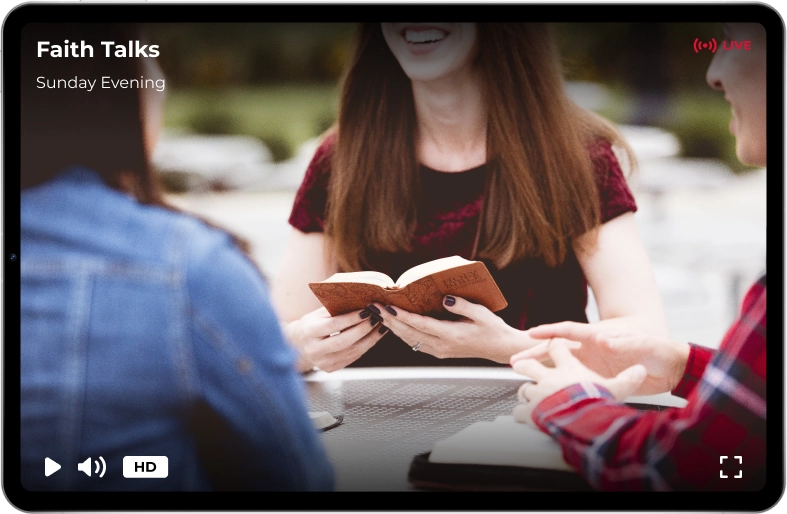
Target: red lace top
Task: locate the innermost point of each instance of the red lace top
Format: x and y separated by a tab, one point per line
448	219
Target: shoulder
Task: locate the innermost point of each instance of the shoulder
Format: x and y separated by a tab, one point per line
605	162
756	292
615	196
175	237
311	199
325	151
91	219
209	251
320	164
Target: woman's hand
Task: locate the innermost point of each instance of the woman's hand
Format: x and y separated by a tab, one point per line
333	342
568	370
608	351
482	334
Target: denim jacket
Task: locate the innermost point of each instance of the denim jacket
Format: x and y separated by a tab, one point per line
146	333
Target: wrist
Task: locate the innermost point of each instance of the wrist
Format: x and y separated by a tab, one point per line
290	329
304	365
680	359
292	334
513	341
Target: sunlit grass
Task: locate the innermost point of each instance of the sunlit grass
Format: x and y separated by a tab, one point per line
698	118
286	115
283	116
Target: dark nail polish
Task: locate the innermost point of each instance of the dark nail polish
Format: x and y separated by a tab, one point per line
390	309
373	308
450	300
365	314
375	319
383	329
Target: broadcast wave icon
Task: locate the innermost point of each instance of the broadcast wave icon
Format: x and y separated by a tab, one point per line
710	45
85	467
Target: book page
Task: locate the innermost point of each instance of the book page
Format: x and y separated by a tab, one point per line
427	268
503	442
363	277
322	419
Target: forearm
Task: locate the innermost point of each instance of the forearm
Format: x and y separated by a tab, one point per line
290	330
619	273
513	341
304	365
634	322
578	417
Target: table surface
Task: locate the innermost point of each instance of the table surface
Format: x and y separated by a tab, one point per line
393	414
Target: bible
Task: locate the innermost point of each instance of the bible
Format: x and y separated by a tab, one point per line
501	455
419	290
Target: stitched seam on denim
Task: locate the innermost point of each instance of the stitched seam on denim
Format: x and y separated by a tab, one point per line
231	353
75	375
184	360
187	372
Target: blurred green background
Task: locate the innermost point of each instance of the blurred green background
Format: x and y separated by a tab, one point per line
279	82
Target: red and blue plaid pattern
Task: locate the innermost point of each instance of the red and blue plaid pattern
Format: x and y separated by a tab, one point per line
716	442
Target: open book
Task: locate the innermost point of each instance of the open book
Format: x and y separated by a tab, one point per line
324	420
502	442
420	289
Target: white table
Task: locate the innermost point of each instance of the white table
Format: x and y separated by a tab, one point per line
393	414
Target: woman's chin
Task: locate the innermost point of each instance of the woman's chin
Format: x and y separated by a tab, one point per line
430	71
749	154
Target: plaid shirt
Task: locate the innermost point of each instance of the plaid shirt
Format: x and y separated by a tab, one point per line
720	432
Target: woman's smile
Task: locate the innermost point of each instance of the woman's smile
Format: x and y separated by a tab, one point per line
423	39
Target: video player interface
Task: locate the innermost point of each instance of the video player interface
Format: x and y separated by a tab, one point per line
367	256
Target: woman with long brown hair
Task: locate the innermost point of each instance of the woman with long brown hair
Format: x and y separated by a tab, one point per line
459	139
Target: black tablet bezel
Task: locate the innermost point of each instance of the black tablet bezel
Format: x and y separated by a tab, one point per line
172	13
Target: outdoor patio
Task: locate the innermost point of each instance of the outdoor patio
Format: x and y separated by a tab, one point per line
702	225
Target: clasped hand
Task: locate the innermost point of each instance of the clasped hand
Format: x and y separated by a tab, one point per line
333	342
480	333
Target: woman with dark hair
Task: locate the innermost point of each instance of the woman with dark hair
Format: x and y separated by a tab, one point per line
144	331
459	139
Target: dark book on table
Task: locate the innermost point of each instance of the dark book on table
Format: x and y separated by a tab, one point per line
499	455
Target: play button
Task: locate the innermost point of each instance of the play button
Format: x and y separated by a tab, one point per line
50	466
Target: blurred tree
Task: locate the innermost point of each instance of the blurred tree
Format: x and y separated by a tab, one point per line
655	77
234	54
651	71
646	59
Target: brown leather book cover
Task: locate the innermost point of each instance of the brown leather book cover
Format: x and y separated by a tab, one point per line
472	281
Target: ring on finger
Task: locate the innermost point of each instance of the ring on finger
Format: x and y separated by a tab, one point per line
418	346
523	391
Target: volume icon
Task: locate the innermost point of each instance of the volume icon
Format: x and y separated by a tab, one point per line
85	467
